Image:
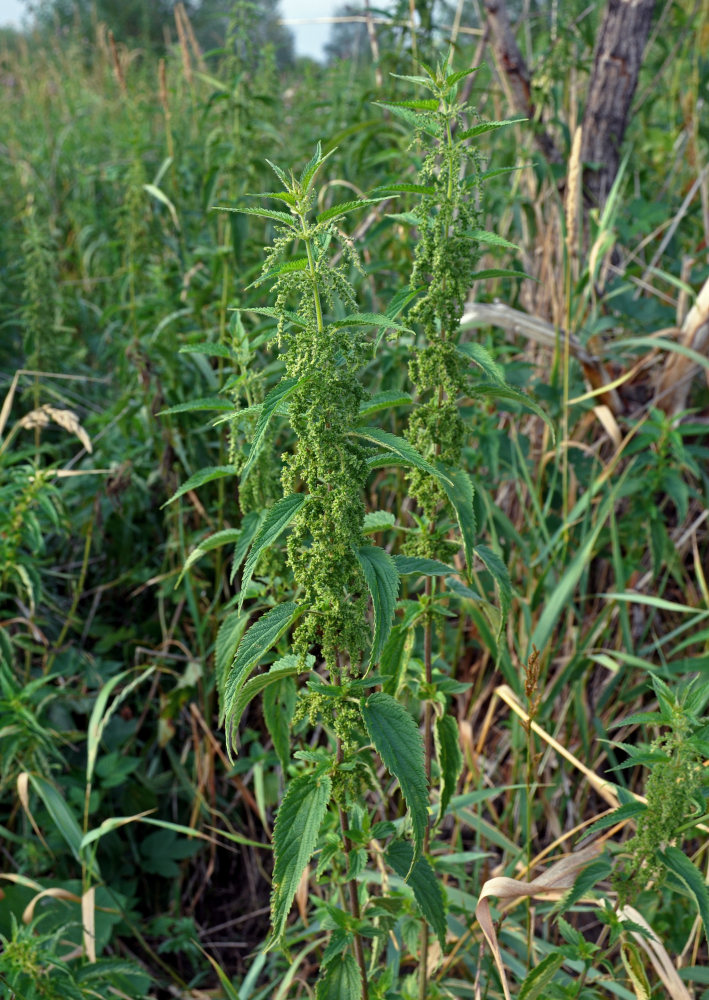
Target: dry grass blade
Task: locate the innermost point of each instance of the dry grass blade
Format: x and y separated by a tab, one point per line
23	793
673	385
88	921
552	883
657	953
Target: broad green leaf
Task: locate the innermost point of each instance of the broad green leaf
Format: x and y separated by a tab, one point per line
254	644
228	639
634	966
412	119
214	350
584	881
285	196
450	759
482	357
422	879
202	477
341	980
501	576
394	658
537	981
383	401
249	526
459	490
345	207
225	537
60	813
492	239
284	218
484	127
310	170
497	272
422	104
204	403
276	314
398	742
287	666
631	810
370	319
680	865
276	396
421	566
383	583
277	519
278	706
295	838
286	267
408	188
399	447
377	520
461	74
514	395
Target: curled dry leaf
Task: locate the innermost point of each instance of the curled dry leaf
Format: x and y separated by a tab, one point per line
64	418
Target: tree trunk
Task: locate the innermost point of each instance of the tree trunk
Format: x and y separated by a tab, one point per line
616	64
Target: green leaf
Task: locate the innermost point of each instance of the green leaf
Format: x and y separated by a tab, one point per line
538	980
249	526
497	272
408	188
225	537
383	583
228	639
514	395
422	879
204	403
214	350
60	813
491	239
370	319
634	966
200	478
345	207
285	196
311	168
295	838
629	811
383	401
287	666
501	576
377	520
100	715
482	357
450	759
484	127
421	566
341	980
284	218
397	446
394	658
277	519
276	396
584	881
459	490
287	267
253	646
422	104
461	74
398	742
278	706
679	864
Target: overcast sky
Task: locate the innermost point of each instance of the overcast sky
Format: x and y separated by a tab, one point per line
309	38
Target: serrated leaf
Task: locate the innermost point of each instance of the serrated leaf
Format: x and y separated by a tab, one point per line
215	350
386	400
398	742
408	188
482	357
295	838
341	980
458	488
253	646
225	537
200	478
412	119
536	982
420	104
287	267
450	760
310	170
460	75
203	403
277	519
514	395
397	446
284	218
276	314
278	706
394	658
383	583
371	319
421	566
285	196
491	239
584	881
629	811
497	272
345	207
484	127
287	666
377	520
249	527
632	960
422	879
279	394
501	576
679	864
228	639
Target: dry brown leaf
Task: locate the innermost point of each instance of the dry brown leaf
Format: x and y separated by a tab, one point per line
657	953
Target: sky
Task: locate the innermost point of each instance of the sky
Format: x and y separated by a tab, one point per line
309	38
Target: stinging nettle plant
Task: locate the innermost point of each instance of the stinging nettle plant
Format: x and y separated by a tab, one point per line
355	659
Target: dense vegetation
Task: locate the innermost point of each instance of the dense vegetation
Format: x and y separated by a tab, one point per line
353	463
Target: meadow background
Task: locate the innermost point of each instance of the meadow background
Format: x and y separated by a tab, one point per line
136	857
